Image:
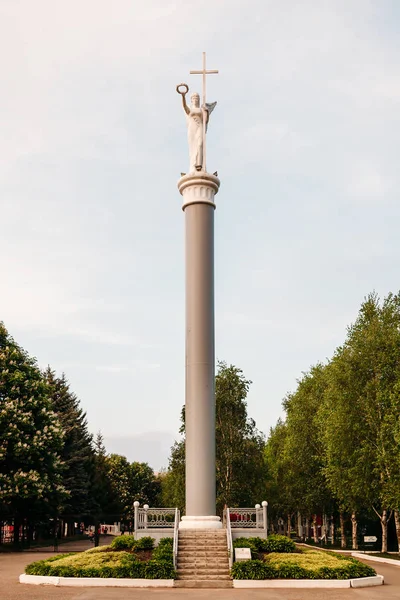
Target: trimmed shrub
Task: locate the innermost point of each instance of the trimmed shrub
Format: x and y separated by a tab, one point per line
274	543
38	567
123	563
163	553
168	541
312	564
159	569
252	569
277	543
144	543
123	542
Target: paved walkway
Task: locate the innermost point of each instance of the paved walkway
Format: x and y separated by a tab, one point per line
12	565
74	546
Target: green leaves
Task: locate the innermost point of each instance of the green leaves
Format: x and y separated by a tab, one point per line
31	437
274	543
129	482
340	444
240	464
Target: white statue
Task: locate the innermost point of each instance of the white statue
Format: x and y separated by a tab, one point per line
197	118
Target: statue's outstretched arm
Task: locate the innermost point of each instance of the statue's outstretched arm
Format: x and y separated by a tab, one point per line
185	106
183	93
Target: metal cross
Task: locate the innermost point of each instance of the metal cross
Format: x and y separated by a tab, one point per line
204	72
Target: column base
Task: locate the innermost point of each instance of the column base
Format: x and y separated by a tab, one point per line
211	522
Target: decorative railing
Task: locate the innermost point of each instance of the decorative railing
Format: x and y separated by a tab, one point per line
247	518
227	520
176	529
152	518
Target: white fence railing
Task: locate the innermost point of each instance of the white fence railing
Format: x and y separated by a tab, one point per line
248	518
229	536
176	529
153	518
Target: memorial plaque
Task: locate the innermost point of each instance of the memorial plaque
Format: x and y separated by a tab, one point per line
242	554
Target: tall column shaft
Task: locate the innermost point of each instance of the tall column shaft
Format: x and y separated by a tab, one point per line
198	192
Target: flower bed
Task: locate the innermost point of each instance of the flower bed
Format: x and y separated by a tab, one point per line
294	563
125	558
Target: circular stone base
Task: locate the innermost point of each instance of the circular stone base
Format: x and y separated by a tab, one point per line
210	522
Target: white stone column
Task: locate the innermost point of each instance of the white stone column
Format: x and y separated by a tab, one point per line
198	190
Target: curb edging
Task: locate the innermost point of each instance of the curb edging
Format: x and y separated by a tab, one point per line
93	581
169	583
388	561
310	583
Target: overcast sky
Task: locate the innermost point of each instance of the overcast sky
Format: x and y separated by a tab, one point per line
305	138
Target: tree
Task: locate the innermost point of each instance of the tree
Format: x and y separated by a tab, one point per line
31	439
146	487
103	502
173	481
306	489
77	452
373	344
240	464
129	482
278	484
347	465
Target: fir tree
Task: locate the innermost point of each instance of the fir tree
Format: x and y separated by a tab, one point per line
77	453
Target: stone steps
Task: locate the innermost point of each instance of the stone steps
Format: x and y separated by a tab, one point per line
201	547
195	571
191	560
203	576
203	559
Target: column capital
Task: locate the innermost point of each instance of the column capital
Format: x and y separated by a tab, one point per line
198	188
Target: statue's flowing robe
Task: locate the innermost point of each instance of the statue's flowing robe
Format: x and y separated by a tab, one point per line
195	125
195	138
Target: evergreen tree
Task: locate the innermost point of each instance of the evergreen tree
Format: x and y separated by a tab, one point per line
105	505
77	453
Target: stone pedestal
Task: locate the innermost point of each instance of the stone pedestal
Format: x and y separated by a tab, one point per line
198	191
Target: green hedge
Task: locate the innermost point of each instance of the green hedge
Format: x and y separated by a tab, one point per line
129	567
274	543
348	568
128	542
168	541
252	569
116	562
277	543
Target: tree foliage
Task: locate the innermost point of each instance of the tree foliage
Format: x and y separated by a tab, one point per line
31	437
240	464
77	452
340	441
